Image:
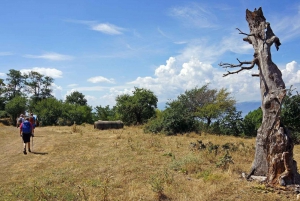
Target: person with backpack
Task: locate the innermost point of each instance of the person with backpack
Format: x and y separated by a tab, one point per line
26	132
20	120
32	121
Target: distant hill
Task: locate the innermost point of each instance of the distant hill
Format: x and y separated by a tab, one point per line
247	107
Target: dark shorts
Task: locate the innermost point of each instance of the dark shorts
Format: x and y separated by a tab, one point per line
26	137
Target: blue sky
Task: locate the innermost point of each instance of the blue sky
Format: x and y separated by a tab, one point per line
104	48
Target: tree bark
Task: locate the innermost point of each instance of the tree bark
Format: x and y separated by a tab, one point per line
274	147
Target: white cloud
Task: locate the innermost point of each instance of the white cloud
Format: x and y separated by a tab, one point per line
291	75
57	91
50	56
170	81
107	28
100	79
2	74
51	72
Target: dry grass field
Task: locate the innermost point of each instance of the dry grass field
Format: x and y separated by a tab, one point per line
80	163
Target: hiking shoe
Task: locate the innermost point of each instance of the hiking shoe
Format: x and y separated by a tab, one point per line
25	152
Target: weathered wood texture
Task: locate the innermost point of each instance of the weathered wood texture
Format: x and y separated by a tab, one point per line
108	124
274	147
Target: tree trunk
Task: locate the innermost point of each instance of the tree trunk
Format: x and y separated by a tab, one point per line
274	147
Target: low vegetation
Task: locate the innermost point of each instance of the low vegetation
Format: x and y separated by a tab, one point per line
80	163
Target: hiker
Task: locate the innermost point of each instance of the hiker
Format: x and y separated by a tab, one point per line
20	120
32	121
26	133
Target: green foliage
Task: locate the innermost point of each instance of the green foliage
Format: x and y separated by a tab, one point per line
15	83
15	107
76	98
216	104
154	125
176	119
105	113
52	111
49	110
2	98
38	86
77	113
187	113
252	122
290	114
231	122
138	108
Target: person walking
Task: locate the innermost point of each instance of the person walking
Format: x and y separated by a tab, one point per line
32	121
20	120
26	132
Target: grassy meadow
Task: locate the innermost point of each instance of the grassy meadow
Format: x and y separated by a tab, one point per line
81	163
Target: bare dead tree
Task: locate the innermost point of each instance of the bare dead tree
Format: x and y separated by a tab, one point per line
274	147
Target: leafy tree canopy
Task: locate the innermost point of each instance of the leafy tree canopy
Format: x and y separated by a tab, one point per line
252	122
15	107
136	108
76	98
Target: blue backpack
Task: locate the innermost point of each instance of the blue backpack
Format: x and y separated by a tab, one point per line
26	128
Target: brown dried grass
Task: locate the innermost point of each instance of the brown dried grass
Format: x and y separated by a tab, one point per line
125	164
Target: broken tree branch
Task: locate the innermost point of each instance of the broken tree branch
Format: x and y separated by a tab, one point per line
240	65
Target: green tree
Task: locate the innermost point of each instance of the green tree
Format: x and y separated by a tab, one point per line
2	98
15	107
46	89
138	108
76	98
252	122
231	122
38	85
215	104
15	84
177	119
105	113
76	113
49	111
290	114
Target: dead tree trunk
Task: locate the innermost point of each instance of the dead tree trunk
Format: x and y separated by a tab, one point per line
274	147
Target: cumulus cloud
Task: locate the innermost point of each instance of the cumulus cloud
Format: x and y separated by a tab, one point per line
50	56
291	75
174	78
100	79
56	91
107	28
51	72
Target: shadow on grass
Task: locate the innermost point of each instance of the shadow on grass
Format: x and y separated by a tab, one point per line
40	153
